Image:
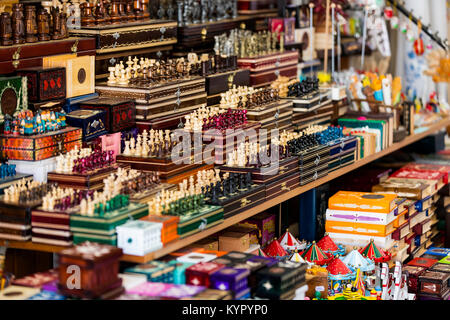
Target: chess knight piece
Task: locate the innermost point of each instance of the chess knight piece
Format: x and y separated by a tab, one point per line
5	29
18	27
43	25
30	24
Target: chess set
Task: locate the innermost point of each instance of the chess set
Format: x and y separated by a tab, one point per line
50	222
140	186
225	128
99	215
152	151
307	96
16	205
159	88
277	178
83	169
256	6
263	105
9	176
190	204
234	192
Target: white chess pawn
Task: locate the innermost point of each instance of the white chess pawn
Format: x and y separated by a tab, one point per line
112	77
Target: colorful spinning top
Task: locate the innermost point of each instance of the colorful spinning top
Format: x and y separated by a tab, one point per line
372	252
315	255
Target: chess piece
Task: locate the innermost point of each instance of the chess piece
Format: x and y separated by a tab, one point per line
87	14
129	10
5	29
18	28
43	25
30	24
145	9
138	9
114	14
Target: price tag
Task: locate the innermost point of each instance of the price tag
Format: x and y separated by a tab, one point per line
320	288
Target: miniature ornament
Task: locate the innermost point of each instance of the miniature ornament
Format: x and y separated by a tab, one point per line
394	23
355	260
374	253
329	247
275	250
289	243
404	27
388	13
410	35
418	46
315	255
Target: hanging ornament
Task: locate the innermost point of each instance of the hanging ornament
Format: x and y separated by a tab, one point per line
394	23
418	43
404	27
388	13
410	35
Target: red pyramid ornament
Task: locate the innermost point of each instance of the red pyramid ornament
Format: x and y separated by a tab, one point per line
316	255
274	249
327	244
337	267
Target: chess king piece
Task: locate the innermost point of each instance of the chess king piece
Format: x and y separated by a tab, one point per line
43	25
30	24
18	28
5	29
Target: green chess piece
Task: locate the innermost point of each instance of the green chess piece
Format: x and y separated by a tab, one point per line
126	200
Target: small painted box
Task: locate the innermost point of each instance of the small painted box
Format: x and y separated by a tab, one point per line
434	283
413	277
40	146
232	279
155	271
237	257
13	96
169	226
422	262
120	113
139	237
92	122
199	274
438	252
72	104
275	282
265	222
179	273
45	83
111	142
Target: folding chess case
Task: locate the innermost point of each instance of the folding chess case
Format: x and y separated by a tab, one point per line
92	122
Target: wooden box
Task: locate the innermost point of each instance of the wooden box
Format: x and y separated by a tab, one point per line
413	273
402	231
41	146
28	55
13	95
199	274
282	186
120	113
273	115
234	241
422	262
317	280
404	188
441	267
210	244
266	69
80	73
51	227
323	115
99	268
90	180
161	99
92	122
434	283
130	35
45	84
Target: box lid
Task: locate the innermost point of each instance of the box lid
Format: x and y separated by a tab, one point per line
91	251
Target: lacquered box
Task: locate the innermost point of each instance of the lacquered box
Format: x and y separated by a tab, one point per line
13	95
120	113
99	268
200	274
40	146
45	83
92	122
434	283
231	279
155	271
413	276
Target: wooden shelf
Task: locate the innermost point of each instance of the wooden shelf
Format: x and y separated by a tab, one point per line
176	245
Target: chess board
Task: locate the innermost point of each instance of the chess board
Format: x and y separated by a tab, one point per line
91	180
197	220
